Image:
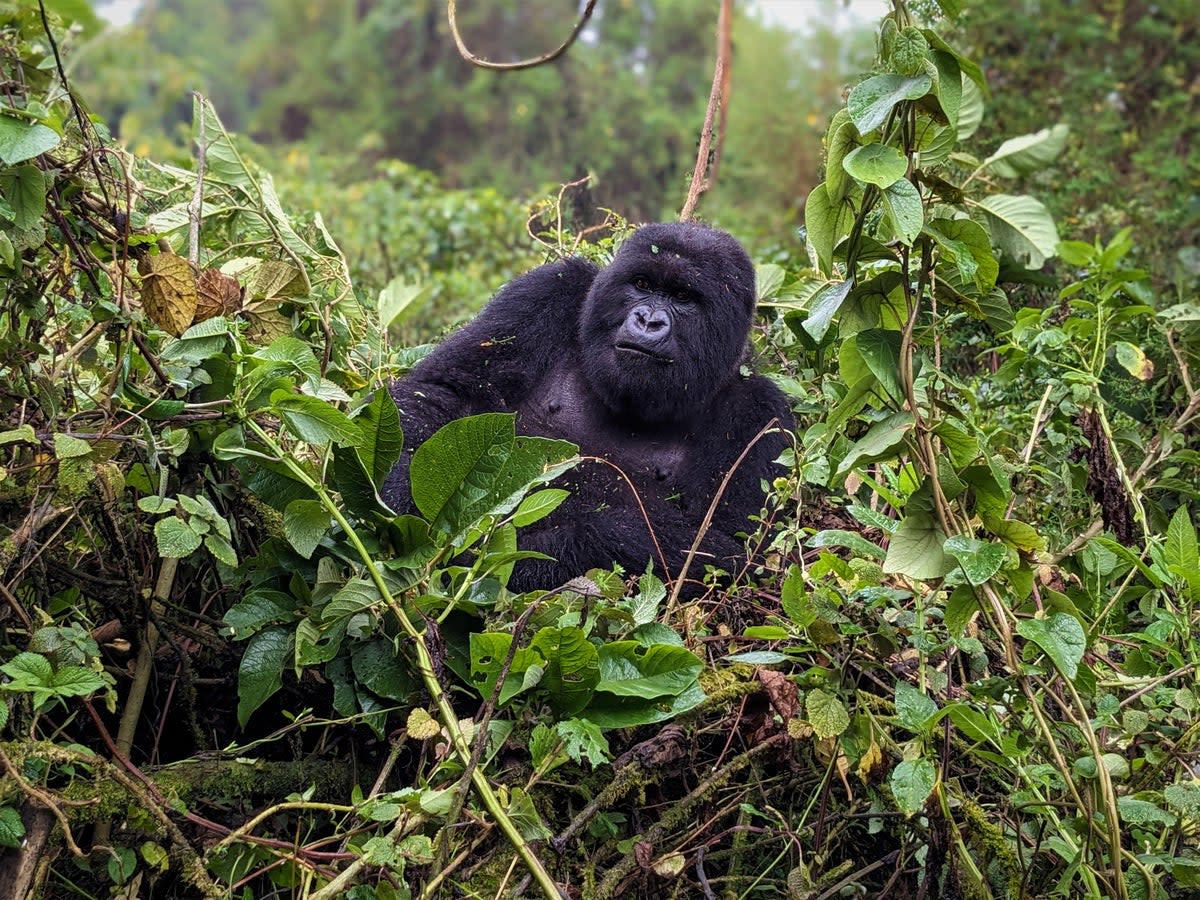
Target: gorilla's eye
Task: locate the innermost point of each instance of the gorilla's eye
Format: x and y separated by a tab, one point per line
641	283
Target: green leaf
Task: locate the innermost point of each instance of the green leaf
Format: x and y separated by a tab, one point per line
1134	811
880	442
293	353
477	466
21	140
979	560
314	420
488	652
1028	153
23	433
949	87
400	298
826	222
826	713
628	669
582	739
825	304
260	673
176	538
1133	360
878	164
524	816
1060	636
872	100
967	245
912	782
538	505
12	829
67	447
914	710
382	438
842	138
24	187
77	681
304	524
1021	227
258	609
572	667
880	350
1180	551
380	669
850	540
970	109
915	549
902	201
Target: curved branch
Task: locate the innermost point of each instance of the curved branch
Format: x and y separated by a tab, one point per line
465	52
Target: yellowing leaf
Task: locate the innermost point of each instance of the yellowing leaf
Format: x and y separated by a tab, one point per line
169	294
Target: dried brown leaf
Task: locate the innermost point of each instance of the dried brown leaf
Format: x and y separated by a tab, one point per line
168	291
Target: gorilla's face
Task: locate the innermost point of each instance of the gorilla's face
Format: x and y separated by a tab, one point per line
665	325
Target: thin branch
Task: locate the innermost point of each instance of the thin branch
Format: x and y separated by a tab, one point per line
704	175
465	52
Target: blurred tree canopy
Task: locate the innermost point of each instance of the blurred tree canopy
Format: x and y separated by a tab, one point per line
366	80
1125	75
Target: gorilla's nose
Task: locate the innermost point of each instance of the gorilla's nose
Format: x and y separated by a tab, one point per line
648	323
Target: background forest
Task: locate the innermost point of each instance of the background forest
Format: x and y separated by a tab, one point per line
963	664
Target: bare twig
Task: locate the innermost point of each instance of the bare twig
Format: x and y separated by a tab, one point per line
705	173
464	51
196	207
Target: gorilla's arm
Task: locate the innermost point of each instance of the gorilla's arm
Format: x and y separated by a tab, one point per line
493	362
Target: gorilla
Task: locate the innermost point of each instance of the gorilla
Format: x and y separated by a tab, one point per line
640	364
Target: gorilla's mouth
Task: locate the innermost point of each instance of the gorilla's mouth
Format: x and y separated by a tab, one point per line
626	347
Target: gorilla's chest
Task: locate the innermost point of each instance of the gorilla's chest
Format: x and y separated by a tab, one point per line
562	407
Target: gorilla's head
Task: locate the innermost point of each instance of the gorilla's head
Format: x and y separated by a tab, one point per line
664	326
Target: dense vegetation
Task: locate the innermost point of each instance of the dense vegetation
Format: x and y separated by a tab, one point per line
963	665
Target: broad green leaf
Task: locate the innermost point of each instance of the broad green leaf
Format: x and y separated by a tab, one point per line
572	667
848	539
260	673
222	164
825	304
1021	227
629	669
826	713
77	681
524	816
1180	551
1134	811
914	709
842	138
21	140
970	109
912	782
352	482
488	653
23	433
12	829
872	100
382	438
826	221
538	505
768	278
915	549
304	524
978	560
175	538
902	201
977	264
382	670
478	466
1028	153
400	298
257	609
881	441
1061	637
24	188
880	350
949	87
961	605
878	164
68	447
1020	535
314	420
293	353
977	726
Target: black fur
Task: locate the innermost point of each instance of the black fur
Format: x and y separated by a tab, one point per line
637	363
